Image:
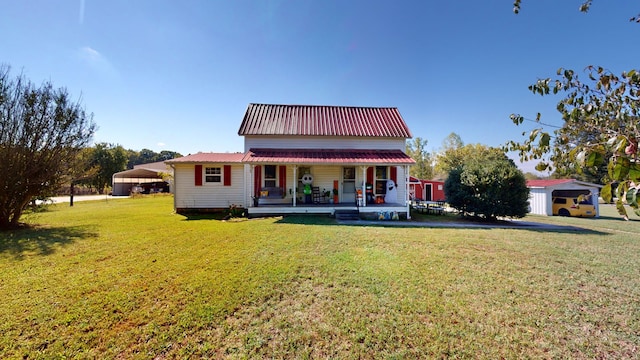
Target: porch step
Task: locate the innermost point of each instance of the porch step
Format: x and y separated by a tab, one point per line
347	215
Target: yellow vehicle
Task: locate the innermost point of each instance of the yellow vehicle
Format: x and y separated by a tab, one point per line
580	205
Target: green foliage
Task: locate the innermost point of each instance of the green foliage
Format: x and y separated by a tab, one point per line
601	127
584	7
235	211
450	156
106	160
42	134
488	185
146	156
455	157
417	151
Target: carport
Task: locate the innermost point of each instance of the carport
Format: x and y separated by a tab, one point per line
542	193
148	176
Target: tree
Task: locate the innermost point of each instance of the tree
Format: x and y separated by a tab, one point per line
417	151
601	117
584	7
606	106
146	156
487	185
531	176
165	155
107	159
449	156
451	142
41	133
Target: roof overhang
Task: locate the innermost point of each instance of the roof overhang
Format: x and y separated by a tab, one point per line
559	183
138	173
328	157
201	158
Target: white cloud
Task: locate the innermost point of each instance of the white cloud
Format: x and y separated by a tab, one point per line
161	144
96	61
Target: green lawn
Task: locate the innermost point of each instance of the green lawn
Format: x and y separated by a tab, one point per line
130	279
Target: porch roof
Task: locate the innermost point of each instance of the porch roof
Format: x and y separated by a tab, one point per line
327	156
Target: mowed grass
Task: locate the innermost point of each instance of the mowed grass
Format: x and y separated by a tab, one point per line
131	279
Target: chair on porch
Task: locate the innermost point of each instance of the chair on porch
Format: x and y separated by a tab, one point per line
316	198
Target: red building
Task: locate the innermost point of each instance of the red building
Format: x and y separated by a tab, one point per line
428	190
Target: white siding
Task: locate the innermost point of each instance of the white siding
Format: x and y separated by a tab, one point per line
209	195
322	142
539	201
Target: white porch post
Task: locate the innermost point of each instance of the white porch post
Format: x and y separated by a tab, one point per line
295	184
253	181
364	186
406	192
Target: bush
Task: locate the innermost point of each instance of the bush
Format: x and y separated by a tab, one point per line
488	187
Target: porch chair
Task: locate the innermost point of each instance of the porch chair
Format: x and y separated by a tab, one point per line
316	198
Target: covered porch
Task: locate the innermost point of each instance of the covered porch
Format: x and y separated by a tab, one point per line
320	181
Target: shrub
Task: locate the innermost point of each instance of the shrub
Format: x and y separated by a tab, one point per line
488	186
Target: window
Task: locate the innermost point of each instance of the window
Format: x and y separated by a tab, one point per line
270	176
381	179
349	180
213	174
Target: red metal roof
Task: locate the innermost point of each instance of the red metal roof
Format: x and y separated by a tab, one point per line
554	182
315	120
208	158
547	182
328	156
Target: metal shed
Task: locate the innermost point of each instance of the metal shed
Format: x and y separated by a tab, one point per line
541	193
143	174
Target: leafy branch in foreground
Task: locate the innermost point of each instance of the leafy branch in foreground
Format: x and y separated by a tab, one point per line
584	7
600	127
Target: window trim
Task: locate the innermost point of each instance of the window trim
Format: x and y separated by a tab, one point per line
213	175
265	178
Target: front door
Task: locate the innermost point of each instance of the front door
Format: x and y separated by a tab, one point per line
348	185
427	192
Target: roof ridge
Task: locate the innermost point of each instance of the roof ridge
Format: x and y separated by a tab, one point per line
331	106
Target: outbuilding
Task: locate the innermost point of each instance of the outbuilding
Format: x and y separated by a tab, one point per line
542	193
146	178
426	190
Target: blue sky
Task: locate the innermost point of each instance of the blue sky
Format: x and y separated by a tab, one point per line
178	75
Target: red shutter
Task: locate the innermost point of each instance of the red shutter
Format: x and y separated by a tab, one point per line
198	175
370	175
394	174
227	175
257	180
282	178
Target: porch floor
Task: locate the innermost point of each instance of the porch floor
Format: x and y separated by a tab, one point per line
280	209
